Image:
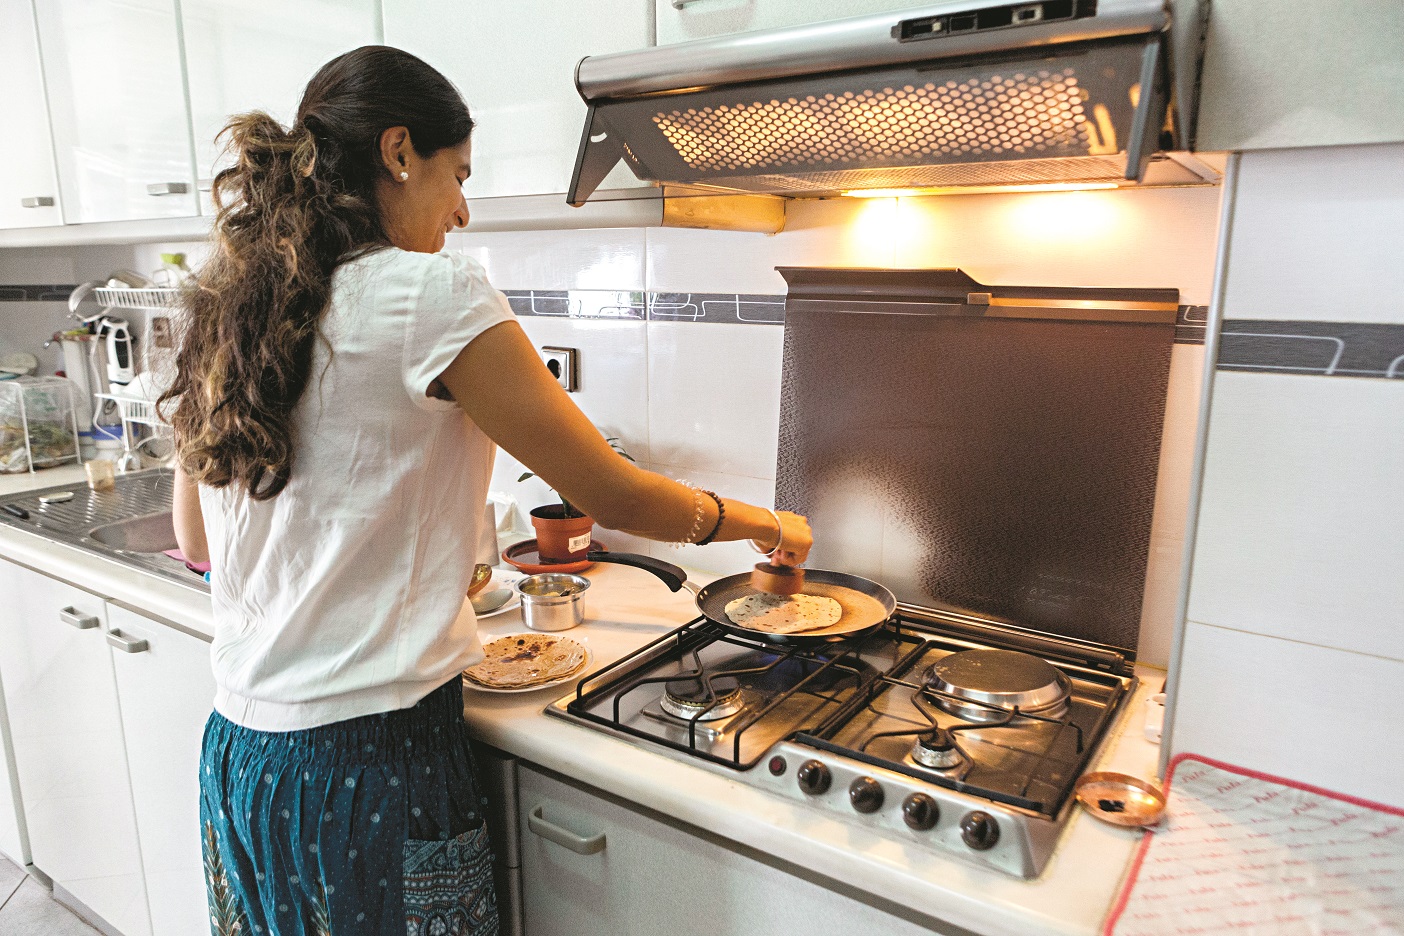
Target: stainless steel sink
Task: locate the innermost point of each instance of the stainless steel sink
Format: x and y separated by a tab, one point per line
130	525
153	533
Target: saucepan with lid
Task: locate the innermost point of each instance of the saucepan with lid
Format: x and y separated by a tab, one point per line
866	604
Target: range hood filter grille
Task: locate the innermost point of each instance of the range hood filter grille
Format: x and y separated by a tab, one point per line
1074	114
1018	113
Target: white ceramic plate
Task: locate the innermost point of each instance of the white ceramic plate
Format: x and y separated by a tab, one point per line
573	677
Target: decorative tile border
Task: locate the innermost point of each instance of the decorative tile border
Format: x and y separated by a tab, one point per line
707	308
10	292
1328	349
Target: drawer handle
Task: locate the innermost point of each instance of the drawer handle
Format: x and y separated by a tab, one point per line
37	201
81	621
679	4
126	644
168	188
580	844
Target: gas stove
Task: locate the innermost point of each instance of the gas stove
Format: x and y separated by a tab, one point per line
950	731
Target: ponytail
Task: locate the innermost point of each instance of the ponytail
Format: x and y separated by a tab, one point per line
295	205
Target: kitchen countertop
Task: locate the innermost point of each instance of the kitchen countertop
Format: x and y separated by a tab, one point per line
626	608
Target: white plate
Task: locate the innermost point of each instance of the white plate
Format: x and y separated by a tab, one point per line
573	677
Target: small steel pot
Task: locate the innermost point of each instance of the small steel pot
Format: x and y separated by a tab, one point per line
551	601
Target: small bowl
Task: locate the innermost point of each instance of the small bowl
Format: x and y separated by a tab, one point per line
1121	799
551	601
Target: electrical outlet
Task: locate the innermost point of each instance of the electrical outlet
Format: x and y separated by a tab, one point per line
564	365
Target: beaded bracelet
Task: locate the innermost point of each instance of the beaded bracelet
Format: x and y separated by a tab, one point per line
696	515
721	515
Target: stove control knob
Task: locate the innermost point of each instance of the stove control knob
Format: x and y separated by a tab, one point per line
814	778
979	830
920	812
865	794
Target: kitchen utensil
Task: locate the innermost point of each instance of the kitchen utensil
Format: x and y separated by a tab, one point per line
118	342
490	602
1121	799
15	510
524	556
777	579
560	680
551	601
866	604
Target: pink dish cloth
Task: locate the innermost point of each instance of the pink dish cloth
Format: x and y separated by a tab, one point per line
201	567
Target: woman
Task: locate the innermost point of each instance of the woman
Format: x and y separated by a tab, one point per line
340	388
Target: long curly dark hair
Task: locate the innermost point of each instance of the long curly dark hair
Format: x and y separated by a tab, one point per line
297	203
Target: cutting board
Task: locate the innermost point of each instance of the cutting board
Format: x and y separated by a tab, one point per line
1254	855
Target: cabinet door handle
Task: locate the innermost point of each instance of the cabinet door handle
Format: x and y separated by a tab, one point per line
37	201
168	188
126	644
79	620
679	4
580	844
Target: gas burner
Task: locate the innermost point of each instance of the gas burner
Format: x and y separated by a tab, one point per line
1003	680
937	749
689	698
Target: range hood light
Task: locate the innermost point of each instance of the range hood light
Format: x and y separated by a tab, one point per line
981	189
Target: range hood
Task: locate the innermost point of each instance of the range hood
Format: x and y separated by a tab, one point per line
958	95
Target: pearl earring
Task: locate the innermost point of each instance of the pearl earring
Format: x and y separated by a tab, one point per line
404	177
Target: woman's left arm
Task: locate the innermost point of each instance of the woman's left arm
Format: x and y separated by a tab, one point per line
189	519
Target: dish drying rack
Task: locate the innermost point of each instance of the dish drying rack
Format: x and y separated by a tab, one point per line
151	298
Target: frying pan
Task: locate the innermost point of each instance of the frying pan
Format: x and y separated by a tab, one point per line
866	604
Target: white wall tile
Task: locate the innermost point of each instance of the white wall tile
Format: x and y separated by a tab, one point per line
1318	235
1309	713
1125	238
721	558
1172	488
829	232
590	259
714	396
1301	526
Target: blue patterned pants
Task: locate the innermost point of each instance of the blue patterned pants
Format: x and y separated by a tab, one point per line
367	826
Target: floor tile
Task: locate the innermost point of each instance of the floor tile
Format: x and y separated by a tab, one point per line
32	910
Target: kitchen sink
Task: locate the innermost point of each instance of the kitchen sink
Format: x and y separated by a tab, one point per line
130	524
153	533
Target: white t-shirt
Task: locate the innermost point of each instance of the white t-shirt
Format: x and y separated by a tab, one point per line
344	595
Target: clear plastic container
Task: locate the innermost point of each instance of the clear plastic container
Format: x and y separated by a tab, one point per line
38	425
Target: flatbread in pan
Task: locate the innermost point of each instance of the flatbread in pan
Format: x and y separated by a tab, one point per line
783	614
523	660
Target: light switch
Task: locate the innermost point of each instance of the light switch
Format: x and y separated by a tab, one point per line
564	365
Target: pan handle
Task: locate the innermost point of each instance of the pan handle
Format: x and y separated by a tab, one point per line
672	576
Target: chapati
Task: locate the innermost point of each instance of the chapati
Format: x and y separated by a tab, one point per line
523	660
784	614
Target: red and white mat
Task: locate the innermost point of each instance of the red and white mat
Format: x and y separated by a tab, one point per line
1245	853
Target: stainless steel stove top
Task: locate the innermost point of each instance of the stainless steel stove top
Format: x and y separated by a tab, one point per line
959	734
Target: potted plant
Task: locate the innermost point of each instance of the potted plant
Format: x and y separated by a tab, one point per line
562	530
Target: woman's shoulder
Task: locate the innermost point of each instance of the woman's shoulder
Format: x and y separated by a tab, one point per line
437	275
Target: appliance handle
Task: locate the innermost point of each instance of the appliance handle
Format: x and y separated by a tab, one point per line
580	844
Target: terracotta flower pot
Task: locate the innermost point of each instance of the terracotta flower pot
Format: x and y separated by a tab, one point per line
560	538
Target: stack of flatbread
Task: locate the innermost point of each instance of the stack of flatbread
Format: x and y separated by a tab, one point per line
784	614
521	661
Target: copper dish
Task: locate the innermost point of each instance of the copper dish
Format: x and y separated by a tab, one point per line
1121	799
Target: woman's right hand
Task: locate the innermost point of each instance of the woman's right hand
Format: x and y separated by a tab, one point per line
796	539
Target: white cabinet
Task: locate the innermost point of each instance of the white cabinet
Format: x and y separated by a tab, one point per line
514	61
244	55
66	730
14	844
117	105
28	183
701	19
166	689
653	877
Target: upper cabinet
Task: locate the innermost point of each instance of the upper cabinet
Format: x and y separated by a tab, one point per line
117	104
681	20
29	188
514	61
244	55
